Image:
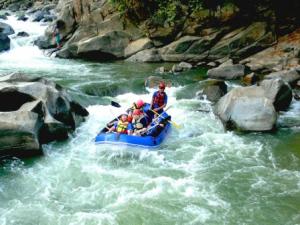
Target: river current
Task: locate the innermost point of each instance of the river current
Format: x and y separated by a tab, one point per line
201	174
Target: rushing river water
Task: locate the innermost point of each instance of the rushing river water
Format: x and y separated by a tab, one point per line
201	174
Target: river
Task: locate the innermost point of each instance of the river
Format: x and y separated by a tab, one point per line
201	174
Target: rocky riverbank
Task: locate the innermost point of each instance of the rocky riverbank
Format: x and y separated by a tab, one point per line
257	44
34	111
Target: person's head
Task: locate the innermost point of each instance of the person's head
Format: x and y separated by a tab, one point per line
124	117
138	104
137	113
161	86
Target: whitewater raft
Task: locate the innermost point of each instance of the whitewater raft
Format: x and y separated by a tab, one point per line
154	136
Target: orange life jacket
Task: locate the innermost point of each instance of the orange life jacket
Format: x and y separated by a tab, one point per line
159	99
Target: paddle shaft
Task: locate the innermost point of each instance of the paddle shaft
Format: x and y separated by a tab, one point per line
159	115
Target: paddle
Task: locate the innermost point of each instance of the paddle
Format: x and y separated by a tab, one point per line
115	104
169	121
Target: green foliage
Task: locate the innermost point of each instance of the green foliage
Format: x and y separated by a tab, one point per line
167	12
162	11
121	5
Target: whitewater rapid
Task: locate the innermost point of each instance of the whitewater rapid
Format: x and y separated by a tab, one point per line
201	174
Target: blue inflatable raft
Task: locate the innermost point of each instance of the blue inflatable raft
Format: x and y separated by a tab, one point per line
152	138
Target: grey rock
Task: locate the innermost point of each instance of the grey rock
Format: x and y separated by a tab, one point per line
289	76
19	134
21	16
44	42
183	66
137	46
37	111
22	34
243	42
39	15
4	42
161	69
3	15
246	109
153	81
148	55
227	72
6	29
279	93
212	89
111	45
211	64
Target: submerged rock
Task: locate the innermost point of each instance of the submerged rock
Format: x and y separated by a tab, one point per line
183	66
34	111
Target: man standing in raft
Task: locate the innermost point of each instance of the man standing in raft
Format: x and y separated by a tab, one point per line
159	99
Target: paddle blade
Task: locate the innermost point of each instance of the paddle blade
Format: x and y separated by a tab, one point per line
177	126
115	104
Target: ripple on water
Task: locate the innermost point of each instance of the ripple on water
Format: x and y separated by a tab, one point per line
200	175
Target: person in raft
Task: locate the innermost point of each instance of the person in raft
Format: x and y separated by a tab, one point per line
159	99
139	122
139	104
122	126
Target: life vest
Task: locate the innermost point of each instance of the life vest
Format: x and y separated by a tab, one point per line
159	99
122	127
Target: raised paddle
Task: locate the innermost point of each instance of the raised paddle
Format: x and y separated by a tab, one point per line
115	104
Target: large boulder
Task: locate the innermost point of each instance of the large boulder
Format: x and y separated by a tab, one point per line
243	42
227	72
183	66
289	76
4	42
279	93
137	46
19	132
191	48
276	58
246	109
3	15
6	29
148	55
109	46
35	111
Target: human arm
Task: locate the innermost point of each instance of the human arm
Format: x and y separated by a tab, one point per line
151	103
